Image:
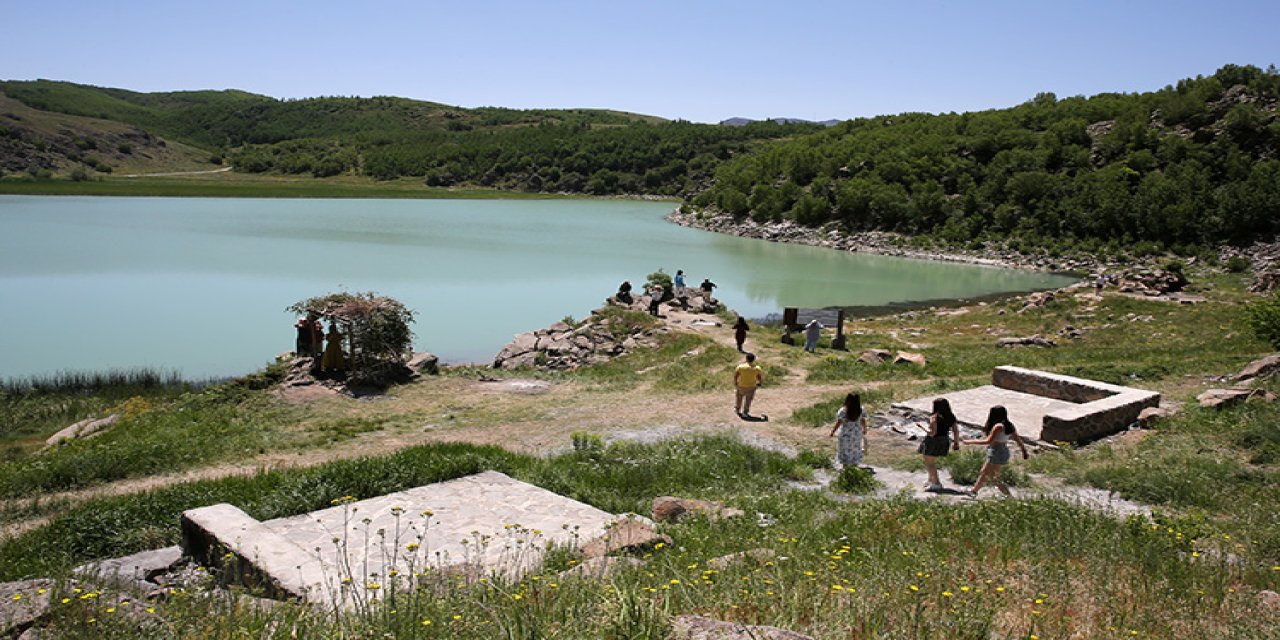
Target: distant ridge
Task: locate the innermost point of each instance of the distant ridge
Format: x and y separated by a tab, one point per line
740	122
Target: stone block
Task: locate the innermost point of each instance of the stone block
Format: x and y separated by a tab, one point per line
252	554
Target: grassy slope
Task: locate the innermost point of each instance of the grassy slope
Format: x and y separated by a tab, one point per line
881	566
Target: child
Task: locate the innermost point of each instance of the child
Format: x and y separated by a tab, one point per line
943	434
998	430
851	422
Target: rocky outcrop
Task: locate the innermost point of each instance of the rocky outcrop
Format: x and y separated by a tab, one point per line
907	357
1028	341
616	329
1264	262
1223	398
1148	281
86	428
1260	368
878	242
875	356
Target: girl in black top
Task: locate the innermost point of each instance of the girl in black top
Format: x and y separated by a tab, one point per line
943	435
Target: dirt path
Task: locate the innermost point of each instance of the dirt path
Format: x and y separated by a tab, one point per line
176	173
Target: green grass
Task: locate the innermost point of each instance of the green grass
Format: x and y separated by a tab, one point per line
157	433
823	413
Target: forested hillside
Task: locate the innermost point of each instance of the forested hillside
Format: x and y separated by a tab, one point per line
1193	164
573	150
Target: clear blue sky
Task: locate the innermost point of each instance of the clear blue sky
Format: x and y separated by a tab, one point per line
701	61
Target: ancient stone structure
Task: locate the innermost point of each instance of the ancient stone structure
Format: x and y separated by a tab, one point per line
1046	406
476	526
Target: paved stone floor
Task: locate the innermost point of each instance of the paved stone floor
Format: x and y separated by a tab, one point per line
484	523
971	406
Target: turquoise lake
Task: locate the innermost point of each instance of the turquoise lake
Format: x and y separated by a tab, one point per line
199	285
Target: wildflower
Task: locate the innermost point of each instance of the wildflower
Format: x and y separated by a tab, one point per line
151	609
411	547
836	587
947	594
675	581
426	623
111	609
40	590
17	596
914	588
66	600
965	588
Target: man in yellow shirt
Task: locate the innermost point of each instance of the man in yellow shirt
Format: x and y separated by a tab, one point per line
747	378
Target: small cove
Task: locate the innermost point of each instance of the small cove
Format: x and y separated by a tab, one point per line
199	285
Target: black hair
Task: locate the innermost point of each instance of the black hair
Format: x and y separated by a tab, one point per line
852	406
999	416
946	417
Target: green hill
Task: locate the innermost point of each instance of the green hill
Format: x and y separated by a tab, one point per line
1192	164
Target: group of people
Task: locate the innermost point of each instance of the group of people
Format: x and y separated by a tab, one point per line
850	431
944	437
658	293
313	342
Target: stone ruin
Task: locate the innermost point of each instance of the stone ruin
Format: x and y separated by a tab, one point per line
1045	407
486	524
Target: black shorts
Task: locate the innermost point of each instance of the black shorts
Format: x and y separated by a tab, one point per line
935	446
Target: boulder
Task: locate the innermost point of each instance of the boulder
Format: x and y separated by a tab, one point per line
627	532
23	604
427	363
138	571
906	357
82	429
1152	416
1261	368
1028	341
688	627
875	356
1223	398
673	509
600	568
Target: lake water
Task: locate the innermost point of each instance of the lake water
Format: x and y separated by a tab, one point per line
200	285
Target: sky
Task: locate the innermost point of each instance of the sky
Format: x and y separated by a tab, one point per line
703	61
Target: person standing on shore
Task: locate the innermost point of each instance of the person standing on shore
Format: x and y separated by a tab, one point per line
740	332
999	430
812	332
746	379
944	433
333	359
851	423
706	286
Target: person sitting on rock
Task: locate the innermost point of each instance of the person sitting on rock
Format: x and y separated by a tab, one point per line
624	292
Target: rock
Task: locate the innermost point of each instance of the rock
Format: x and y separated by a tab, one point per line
1269	600
875	356
23	604
688	627
906	357
600	568
1261	368
673	509
760	555
139	570
82	429
1151	416
1223	398
1029	341
628	532
425	363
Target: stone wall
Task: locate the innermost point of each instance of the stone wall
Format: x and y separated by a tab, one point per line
1101	409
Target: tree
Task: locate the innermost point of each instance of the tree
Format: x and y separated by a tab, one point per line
379	340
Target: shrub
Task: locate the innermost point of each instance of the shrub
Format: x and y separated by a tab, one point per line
856	480
1238	264
1264	318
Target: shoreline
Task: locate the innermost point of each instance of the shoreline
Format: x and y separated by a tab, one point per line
879	243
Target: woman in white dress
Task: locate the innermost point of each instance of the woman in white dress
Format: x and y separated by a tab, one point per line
851	423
